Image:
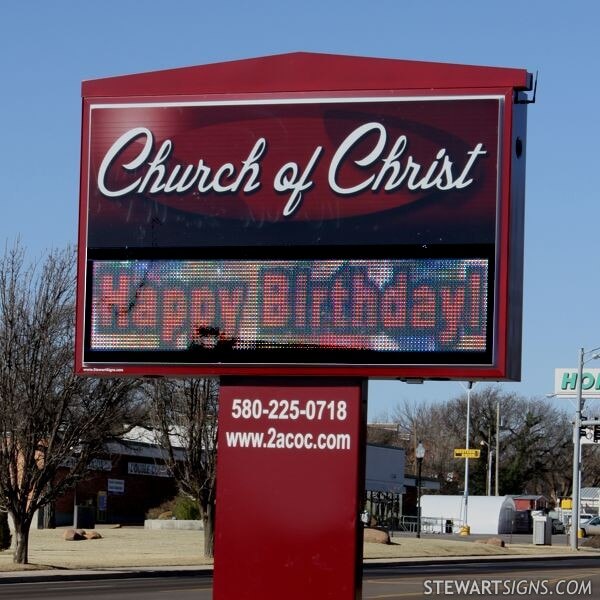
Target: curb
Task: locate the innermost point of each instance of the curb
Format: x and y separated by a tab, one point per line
44	576
207	572
372	564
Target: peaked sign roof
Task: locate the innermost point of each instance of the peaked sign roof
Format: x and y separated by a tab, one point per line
305	72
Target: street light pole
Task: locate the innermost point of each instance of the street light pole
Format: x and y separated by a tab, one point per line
490	453
577	453
497	449
489	475
580	401
467	441
577	444
419	454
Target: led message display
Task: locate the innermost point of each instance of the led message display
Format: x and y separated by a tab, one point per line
236	308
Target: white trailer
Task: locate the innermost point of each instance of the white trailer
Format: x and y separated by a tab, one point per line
486	514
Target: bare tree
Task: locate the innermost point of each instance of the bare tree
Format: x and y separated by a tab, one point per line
185	417
52	423
534	441
534	445
436	428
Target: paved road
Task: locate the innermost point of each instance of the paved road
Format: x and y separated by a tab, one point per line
571	578
160	588
566	578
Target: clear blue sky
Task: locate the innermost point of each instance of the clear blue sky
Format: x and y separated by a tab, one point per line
48	47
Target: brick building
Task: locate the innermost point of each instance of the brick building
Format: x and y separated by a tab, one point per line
129	479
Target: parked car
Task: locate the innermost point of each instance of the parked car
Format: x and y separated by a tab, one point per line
591	527
558	526
584	518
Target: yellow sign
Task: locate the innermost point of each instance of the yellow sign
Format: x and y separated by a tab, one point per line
467	453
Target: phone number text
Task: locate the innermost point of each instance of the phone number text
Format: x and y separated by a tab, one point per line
292	410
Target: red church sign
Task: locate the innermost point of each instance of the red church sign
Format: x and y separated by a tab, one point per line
300	215
303	224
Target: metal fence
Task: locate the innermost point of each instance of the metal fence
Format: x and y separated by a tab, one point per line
441	525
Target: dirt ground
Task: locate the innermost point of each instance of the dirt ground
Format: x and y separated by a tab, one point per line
138	547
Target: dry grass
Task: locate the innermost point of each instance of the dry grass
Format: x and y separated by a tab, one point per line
126	547
138	547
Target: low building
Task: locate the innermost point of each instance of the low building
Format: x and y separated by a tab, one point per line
132	477
122	486
531	502
390	492
384	483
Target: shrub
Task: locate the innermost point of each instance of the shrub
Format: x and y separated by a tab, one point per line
186	508
155	512
181	507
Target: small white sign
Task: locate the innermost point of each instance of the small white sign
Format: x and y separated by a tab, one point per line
566	384
116	486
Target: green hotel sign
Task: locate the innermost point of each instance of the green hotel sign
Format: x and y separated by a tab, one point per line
566	382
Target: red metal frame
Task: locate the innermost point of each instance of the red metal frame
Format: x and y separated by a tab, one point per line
318	75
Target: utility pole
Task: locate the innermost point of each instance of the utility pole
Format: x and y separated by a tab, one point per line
467	441
577	453
496	483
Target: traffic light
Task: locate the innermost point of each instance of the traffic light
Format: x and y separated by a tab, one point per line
583	431
596	433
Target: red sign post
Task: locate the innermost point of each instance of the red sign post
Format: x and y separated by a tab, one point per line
289	485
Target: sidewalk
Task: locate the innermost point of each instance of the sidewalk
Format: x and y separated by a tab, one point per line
134	551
